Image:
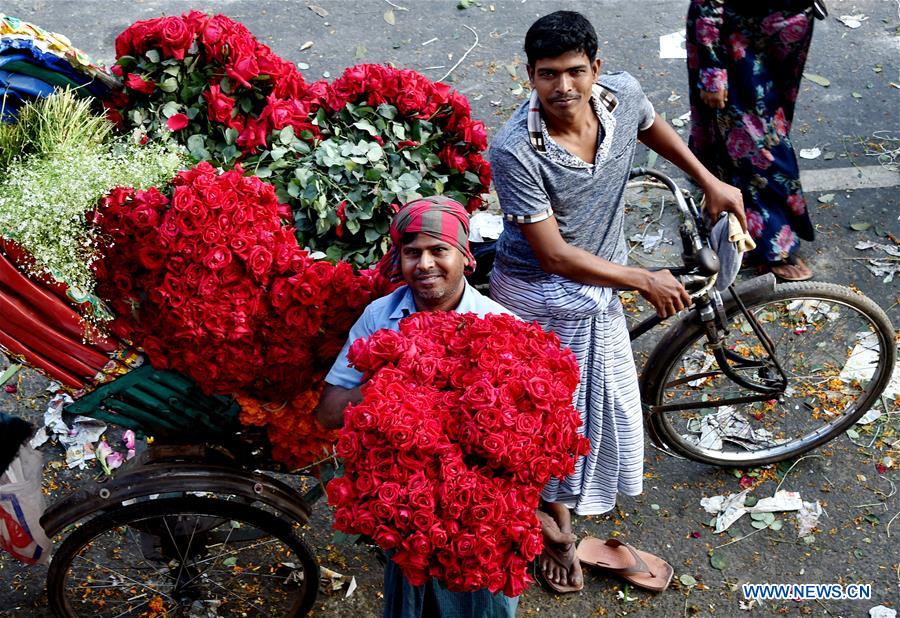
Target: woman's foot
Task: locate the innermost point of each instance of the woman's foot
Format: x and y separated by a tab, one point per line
557	562
791	269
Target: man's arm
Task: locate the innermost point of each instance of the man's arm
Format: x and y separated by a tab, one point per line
720	197
334	401
557	256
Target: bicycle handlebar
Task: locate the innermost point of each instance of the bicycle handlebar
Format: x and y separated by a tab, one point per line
694	230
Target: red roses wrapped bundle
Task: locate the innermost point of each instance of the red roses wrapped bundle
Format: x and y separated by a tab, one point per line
387	136
344	156
462	139
210	80
208	280
462	423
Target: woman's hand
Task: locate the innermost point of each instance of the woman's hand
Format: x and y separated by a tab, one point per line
721	197
715	100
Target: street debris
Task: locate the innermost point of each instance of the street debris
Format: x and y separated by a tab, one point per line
485	226
864	360
885	147
681	120
864	245
729	509
697	361
872	415
810	153
463	57
853	21
880	611
728	425
885	268
651	242
808	517
8	374
331	581
78	439
672	45
817	79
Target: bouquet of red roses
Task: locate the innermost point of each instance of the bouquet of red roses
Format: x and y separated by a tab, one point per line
462	423
208	84
209	281
387	136
344	156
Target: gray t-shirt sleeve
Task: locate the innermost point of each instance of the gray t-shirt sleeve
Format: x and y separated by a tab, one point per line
519	189
646	113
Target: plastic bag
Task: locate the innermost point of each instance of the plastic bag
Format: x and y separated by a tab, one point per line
21	507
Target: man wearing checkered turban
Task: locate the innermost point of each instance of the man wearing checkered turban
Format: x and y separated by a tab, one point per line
431	254
438	217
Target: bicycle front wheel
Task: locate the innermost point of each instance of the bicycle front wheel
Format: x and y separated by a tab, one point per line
183	556
835	346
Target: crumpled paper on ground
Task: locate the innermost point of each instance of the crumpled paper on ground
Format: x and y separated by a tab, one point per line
880	611
78	439
808	517
728	509
485	226
862	363
727	424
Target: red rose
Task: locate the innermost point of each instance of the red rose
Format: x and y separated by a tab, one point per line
151	257
252	136
177	122
453	159
139	84
386	537
242	69
219	106
174	37
340	491
217	257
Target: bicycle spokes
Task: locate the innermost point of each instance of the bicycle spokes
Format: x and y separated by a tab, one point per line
786	372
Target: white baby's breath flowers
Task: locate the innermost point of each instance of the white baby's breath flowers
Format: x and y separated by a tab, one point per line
47	192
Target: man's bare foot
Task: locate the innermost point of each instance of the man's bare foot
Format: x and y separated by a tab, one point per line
557	562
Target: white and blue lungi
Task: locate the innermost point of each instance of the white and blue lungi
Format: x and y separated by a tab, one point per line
589	320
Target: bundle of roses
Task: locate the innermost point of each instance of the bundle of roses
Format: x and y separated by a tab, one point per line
463	421
344	156
387	136
208	84
296	437
208	280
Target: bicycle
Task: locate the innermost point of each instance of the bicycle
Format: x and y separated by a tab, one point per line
804	361
185	527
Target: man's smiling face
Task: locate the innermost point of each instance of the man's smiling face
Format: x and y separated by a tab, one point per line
564	83
433	269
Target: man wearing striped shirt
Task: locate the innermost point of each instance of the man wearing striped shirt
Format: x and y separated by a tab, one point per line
560	167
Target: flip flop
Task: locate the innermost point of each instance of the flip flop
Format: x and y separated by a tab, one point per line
637	567
791	260
551	586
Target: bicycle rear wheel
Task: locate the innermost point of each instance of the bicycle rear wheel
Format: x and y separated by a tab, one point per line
836	347
183	556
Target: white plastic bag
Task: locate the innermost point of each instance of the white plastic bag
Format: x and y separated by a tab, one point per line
21	507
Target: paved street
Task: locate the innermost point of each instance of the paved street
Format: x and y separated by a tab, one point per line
852	121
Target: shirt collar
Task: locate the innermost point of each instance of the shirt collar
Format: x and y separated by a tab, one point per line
536	123
406	304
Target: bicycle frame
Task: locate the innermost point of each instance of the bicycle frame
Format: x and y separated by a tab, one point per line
699	269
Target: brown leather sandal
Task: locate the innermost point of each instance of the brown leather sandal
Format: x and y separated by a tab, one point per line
637	567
